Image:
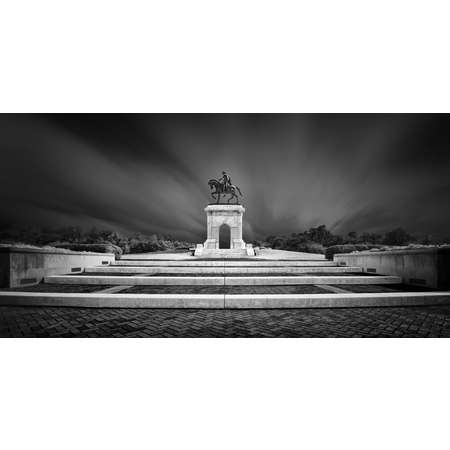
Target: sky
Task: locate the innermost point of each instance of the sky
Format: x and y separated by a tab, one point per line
148	173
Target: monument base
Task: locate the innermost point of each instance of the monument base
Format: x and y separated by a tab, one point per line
224	233
203	252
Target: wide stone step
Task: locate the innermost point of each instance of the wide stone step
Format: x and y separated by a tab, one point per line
278	255
217	270
160	256
223	263
220	280
217	253
224	301
287	254
322	273
181	289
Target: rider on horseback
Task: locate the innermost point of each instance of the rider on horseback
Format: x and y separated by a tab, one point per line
225	181
222	187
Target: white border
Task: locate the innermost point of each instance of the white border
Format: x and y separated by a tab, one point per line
222	394
238	56
242	56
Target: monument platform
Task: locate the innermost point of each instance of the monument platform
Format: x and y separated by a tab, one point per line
224	233
186	281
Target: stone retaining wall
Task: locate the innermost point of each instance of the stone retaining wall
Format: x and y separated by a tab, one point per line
427	267
22	266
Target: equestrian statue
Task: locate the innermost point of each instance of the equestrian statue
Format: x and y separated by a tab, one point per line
223	186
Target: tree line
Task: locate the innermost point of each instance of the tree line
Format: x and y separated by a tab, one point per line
315	240
319	239
94	239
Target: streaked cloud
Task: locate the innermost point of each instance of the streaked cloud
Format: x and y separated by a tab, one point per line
148	173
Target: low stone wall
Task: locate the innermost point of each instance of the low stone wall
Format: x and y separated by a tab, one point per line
22	266
427	267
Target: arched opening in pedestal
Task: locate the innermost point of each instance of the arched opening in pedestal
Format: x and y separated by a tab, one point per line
224	236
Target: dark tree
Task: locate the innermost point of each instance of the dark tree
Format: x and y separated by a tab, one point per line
397	237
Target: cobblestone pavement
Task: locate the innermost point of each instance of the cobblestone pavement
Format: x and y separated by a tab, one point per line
430	321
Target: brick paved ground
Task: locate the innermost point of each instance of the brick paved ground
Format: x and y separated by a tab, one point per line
430	321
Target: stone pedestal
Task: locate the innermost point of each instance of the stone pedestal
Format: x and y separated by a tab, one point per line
217	217
228	215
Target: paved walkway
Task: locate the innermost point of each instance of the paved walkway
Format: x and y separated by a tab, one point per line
430	321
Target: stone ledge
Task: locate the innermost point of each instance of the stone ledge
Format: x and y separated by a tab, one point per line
113	300
444	250
243	262
135	280
219	280
51	251
225	207
224	301
233	301
219	269
282	280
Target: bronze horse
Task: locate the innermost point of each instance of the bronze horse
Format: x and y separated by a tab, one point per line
219	190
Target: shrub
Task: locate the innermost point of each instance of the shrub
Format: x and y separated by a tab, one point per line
144	246
347	248
310	247
98	248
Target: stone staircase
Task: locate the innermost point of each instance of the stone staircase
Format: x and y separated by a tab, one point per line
269	281
222	272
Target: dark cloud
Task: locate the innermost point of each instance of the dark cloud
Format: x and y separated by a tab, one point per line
148	173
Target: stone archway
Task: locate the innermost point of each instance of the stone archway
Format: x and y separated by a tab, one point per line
224	236
218	215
